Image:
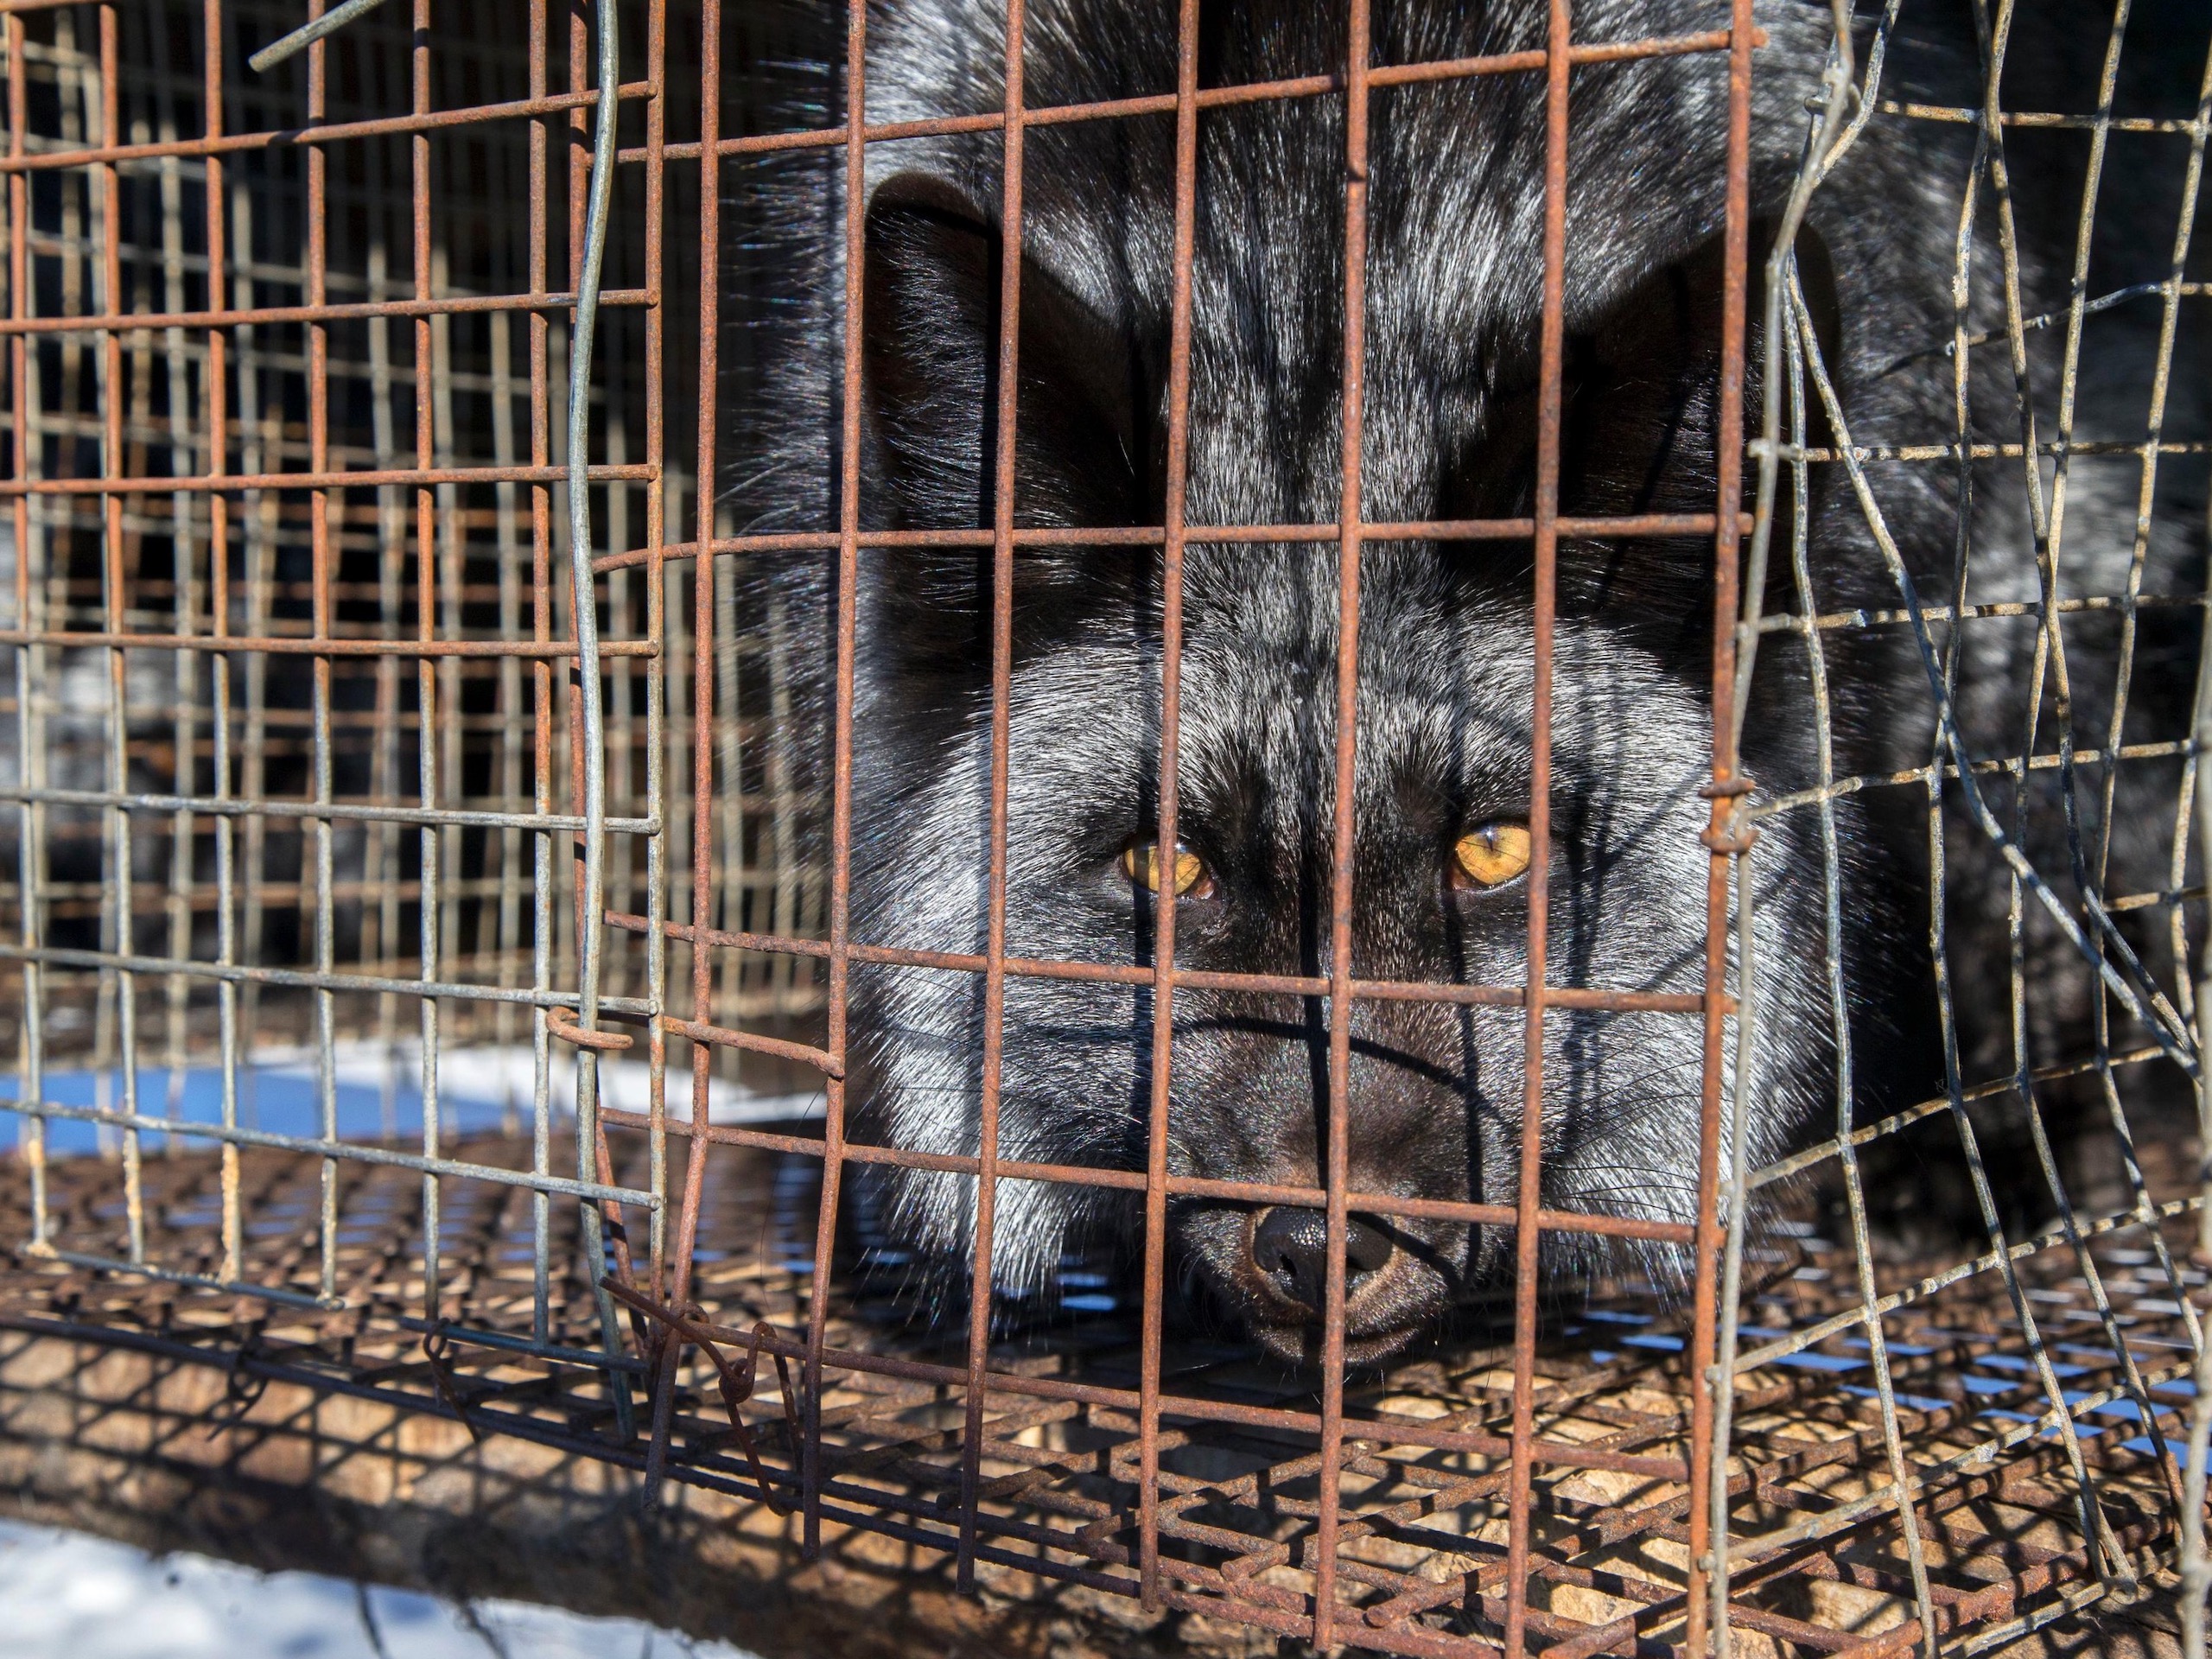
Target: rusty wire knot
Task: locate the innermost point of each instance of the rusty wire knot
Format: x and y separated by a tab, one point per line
561	1021
735	1380
436	1344
1737	838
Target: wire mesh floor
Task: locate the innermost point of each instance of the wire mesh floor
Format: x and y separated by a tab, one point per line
1423	1543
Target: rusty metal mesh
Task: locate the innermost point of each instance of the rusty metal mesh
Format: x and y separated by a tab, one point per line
317	1077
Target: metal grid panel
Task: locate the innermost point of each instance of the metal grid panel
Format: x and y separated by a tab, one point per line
316	848
364	774
1163	1580
479	404
2084	1355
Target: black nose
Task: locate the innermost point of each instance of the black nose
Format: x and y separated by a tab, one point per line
1291	1249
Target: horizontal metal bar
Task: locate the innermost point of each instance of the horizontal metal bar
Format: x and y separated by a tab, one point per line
1634	525
2039	119
699	1031
2002	766
1377	991
1400	74
584	1359
131	322
415	477
109	961
348	1151
231	807
2167	896
1257	1193
291	645
1794	622
592	1358
334	132
2121	448
174	1276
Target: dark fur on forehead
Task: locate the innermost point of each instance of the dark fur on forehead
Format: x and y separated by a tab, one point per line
1453	284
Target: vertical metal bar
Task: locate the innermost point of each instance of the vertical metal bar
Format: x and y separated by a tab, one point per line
656	628
841	797
702	790
543	852
30	658
111	992
1336	1175
219	668
1171	719
795	882
76	89
184	590
450	544
428	711
383	839
577	148
503	848
388	509
987	1178
676	716
121	889
703	653
1520	1518
589	735
261	523
507	541
732	878
319	544
1724	793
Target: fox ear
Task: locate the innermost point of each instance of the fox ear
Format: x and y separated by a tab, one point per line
1642	418
931	339
1644	381
1085	454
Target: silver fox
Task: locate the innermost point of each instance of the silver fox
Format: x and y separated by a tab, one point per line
1446	658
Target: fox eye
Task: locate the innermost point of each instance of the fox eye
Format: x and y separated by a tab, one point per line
1141	862
1490	856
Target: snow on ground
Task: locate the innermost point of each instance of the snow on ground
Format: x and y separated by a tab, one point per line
64	1595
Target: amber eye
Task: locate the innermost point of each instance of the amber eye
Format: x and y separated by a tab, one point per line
1490	856
1142	864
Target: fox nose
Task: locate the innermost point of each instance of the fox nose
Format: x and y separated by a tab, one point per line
1291	1249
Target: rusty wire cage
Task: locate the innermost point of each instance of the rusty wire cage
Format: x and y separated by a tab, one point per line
412	961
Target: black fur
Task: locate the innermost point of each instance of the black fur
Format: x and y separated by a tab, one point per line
1453	296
